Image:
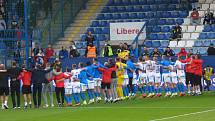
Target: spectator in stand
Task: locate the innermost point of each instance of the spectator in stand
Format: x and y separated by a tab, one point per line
90	38
190	52
2	23
156	53
63	53
107	51
211	50
182	53
176	33
195	18
49	52
208	17
90	51
14	23
36	49
21	22
145	52
2	9
169	52
73	51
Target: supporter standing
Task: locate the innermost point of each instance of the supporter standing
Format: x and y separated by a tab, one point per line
4	86
169	52
15	84
195	18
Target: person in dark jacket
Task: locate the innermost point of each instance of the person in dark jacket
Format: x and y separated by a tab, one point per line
112	64
90	38
38	77
211	50
4	86
168	52
14	73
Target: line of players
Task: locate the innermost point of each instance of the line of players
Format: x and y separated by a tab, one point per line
125	79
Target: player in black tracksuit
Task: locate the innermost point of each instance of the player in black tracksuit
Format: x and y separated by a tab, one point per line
14	73
4	87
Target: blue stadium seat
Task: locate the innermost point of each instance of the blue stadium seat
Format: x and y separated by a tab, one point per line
213	27
213	42
108	16
153	8
105	10
159	1
82	52
203	50
206	43
165	29
171	7
142	2
161	50
164	44
78	45
211	35
168	36
156	29
151	50
161	22
148	28
170	22
175	1
90	29
117	16
98	31
153	36
162	7
150	2
195	50
161	37
166	14
148	43
141	15
138	8
118	2
125	16
175	14
159	14
121	9
83	37
101	37
203	36
95	23
104	24
100	16
156	44
176	50
150	15
152	22
133	16
207	28
180	21
146	8
113	9
106	31
198	43
183	14
130	9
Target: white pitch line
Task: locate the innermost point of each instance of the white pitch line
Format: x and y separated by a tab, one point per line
138	107
200	112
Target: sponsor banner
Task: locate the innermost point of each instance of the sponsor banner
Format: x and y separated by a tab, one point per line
127	31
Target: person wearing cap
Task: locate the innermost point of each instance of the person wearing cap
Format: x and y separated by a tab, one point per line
182	53
4	86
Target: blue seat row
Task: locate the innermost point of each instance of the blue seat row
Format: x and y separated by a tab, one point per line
204	43
141	2
109	16
99	30
145	8
159	36
99	37
209	28
156	44
200	50
210	35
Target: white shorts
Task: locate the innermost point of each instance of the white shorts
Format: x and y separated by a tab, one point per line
151	77
143	78
91	84
83	87
166	77
157	78
76	87
135	81
68	91
97	82
126	81
181	78
174	78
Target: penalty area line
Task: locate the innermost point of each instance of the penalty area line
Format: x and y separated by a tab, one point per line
183	115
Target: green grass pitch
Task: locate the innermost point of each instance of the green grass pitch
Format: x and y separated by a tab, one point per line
188	108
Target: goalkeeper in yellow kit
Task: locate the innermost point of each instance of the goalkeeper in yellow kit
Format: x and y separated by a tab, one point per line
120	77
